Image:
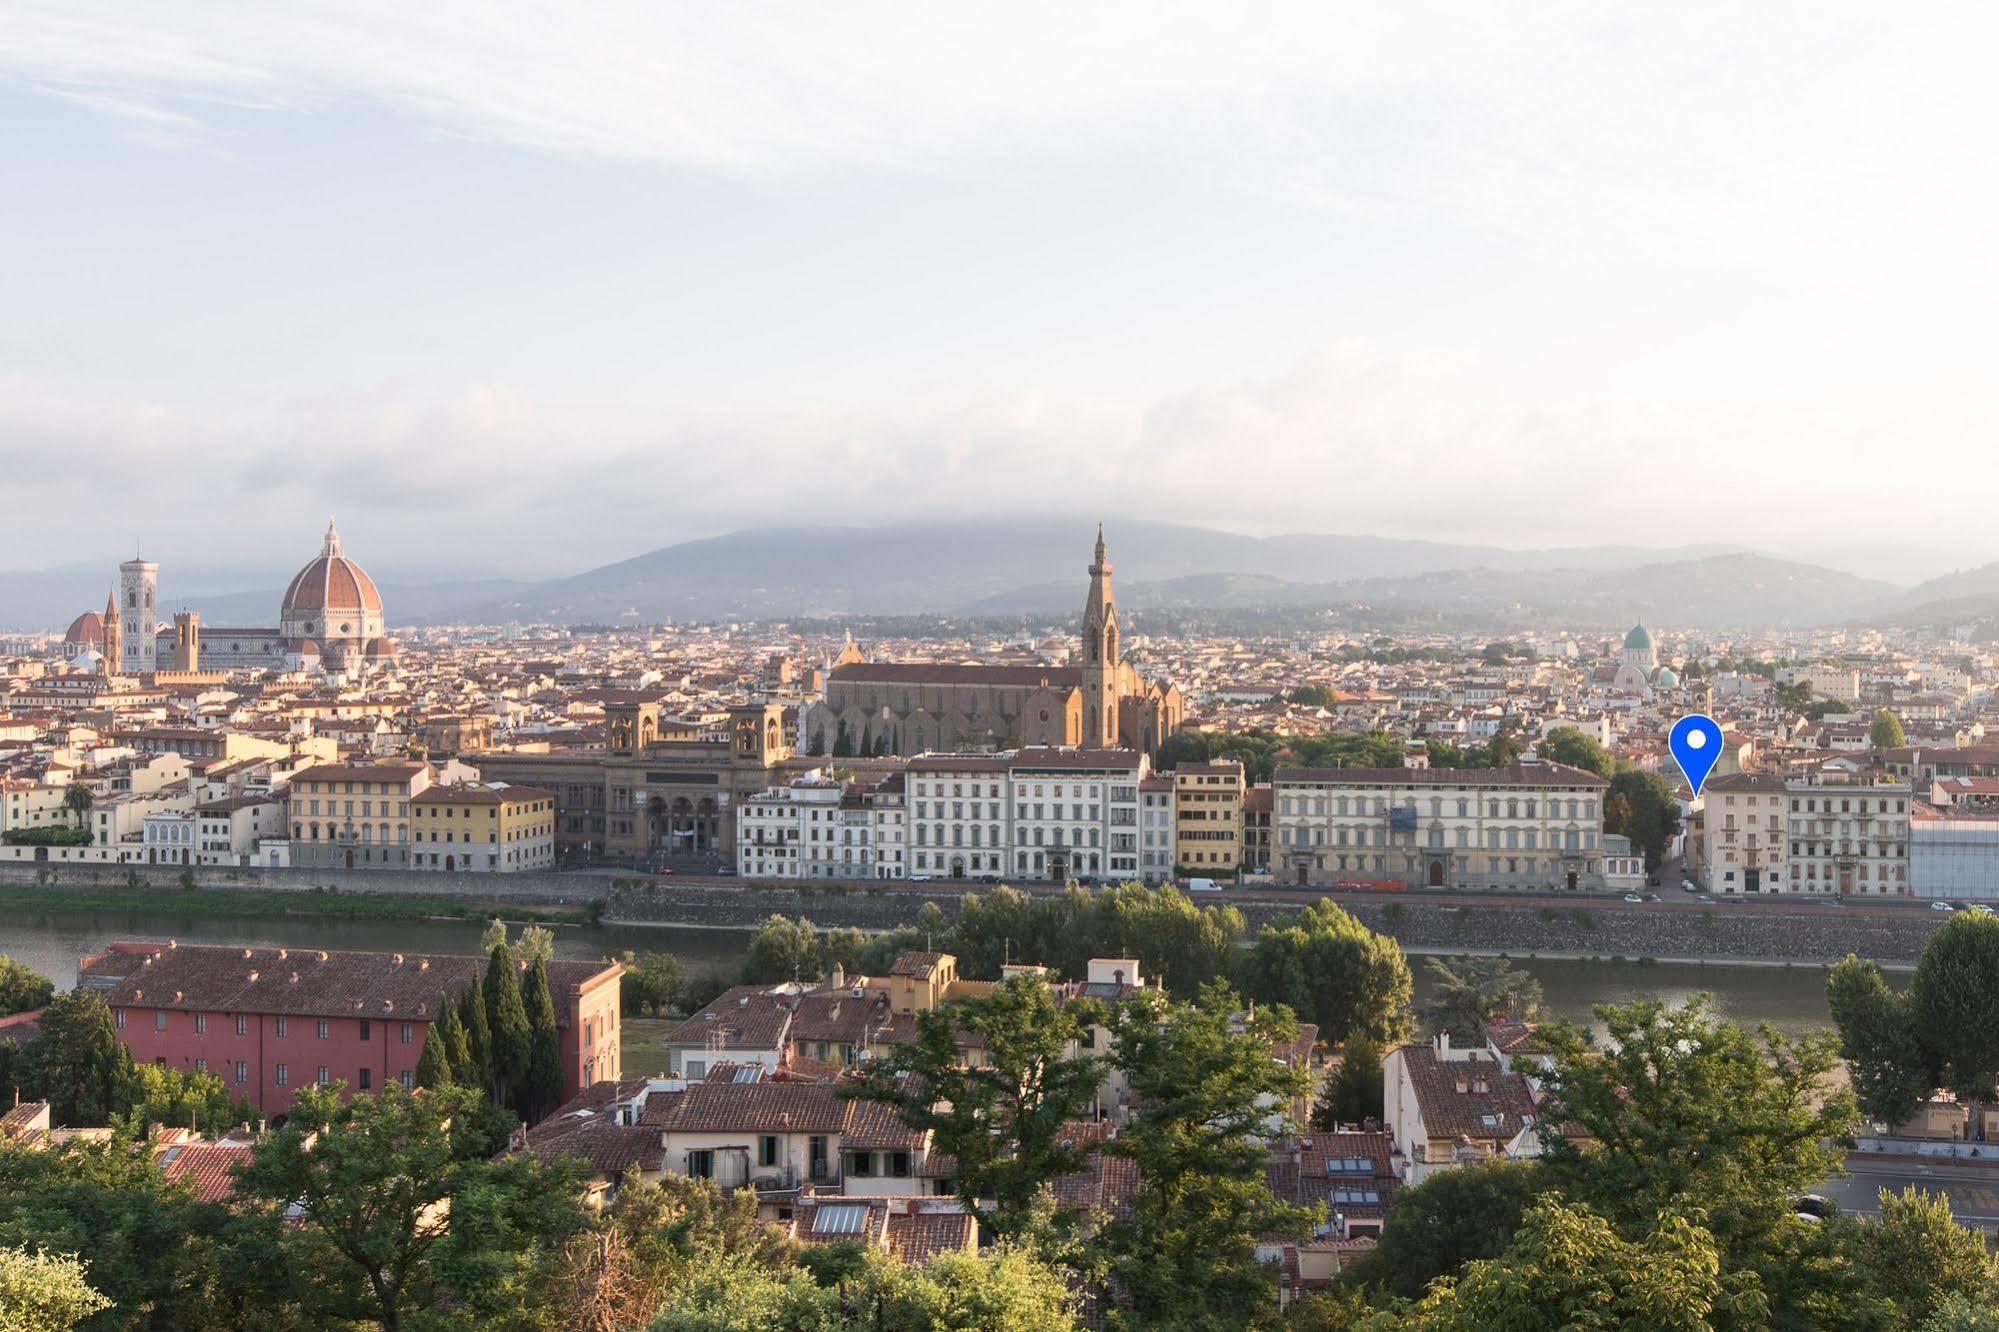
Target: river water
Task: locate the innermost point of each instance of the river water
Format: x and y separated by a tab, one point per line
1790	999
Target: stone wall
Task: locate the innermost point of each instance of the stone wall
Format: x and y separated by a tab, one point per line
547	888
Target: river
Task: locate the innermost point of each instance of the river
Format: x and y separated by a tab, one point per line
1791	999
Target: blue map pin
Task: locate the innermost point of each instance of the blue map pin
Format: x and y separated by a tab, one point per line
1696	744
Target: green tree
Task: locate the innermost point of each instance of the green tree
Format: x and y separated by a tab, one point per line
1952	998
1568	1269
1566	744
77	1064
1916	1254
1886	732
1352	1094
1655	813
652	981
1003	1121
45	1292
77	798
1469	994
1959	1313
1680	1110
22	990
1453	1217
843	743
433	1066
183	1098
1889	1065
783	949
1004	1290
1331	970
544	1075
396	1225
476	1069
513	1039
1205	1080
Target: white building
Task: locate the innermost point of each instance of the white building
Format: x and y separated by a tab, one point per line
1954	853
1840	682
1747	832
1450	1105
1155	829
1850	837
816	828
1042	812
138	589
1528	825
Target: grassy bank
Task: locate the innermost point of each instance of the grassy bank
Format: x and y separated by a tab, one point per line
226	903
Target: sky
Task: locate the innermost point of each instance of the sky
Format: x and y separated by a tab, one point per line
522	288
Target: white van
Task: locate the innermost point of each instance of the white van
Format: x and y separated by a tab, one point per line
1203	886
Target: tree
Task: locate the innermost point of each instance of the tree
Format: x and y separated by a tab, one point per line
433	1066
1654	819
782	949
544	1074
1003	1121
513	1039
1885	1057
1331	970
77	1064
843	743
393	1220
77	798
1568	1268
22	990
1352	1094
1004	1290
1566	744
183	1098
1886	732
476	1069
1453	1217
1679	1110
1205	1082
1958	1313
817	749
45	1292
1952	999
1916	1254
1469	994
652	981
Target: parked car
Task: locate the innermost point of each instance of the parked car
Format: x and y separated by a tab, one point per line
1633	897
1651	897
919	878
1690	885
1942	906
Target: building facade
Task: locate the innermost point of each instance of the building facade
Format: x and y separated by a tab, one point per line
1849	837
354	815
482	828
1207	818
1746	827
1528	825
1041	812
819	828
269	1021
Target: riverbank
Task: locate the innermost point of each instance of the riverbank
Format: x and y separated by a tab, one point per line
258	904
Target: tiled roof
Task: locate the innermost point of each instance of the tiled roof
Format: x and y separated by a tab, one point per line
758	1107
954	673
743	1017
300	982
917	1237
1496	1114
209	1167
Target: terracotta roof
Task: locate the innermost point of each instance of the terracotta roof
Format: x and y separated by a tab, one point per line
915	964
917	1237
956	673
743	1017
758	1107
1496	1114
208	1167
479	793
301	982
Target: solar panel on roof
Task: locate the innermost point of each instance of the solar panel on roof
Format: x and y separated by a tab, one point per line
839	1219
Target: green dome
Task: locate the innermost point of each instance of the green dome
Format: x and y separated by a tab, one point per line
1668	678
1639	639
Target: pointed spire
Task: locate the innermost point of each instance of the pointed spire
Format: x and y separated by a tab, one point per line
1100	543
332	547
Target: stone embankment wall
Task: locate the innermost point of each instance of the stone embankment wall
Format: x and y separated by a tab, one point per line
1806	934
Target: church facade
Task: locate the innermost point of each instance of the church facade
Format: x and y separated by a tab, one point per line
1100	701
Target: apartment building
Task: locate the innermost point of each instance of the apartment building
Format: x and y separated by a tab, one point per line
347	815
819	828
1155	828
1042	812
483	828
1848	837
1527	825
1207	817
1747	832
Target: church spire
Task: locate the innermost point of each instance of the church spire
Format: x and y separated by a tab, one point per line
1100	654
332	547
114	634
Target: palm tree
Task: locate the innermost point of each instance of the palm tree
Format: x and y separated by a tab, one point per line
77	798
1469	994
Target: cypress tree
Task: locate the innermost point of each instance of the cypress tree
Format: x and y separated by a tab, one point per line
545	1059
433	1068
457	1046
513	1041
477	1070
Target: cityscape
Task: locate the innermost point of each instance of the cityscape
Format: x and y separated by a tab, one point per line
1146	669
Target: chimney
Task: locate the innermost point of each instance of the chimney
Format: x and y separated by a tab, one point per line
399	959
322	954
246	954
253	978
423	964
283	953
177	996
295	981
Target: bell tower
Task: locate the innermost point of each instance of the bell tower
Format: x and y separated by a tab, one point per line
114	636
1100	655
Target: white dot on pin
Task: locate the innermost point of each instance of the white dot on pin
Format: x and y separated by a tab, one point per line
1697	740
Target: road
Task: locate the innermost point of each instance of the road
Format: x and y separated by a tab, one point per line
1973	1189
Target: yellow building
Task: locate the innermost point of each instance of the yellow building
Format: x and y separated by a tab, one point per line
1207	817
484	828
349	815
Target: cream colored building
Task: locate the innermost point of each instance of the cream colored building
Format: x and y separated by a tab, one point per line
481	827
1207	818
1848	837
352	816
1840	682
1746	830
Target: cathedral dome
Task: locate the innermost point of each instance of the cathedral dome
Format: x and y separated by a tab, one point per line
1639	639
1668	678
85	628
332	598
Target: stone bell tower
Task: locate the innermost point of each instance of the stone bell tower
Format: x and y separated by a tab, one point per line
1100	655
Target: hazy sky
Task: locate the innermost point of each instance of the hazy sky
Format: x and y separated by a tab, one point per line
505	284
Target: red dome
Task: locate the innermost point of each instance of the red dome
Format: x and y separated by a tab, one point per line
331	584
86	628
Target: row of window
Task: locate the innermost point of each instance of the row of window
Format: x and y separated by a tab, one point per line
323	1029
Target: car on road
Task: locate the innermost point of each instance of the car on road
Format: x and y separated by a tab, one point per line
1690	885
1633	897
1651	897
919	878
1942	906
1814	1205
1703	897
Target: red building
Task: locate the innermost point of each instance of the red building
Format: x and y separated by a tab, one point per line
268	1021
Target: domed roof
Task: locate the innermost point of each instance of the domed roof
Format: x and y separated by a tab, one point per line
332	583
381	647
85	628
1640	638
1667	678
